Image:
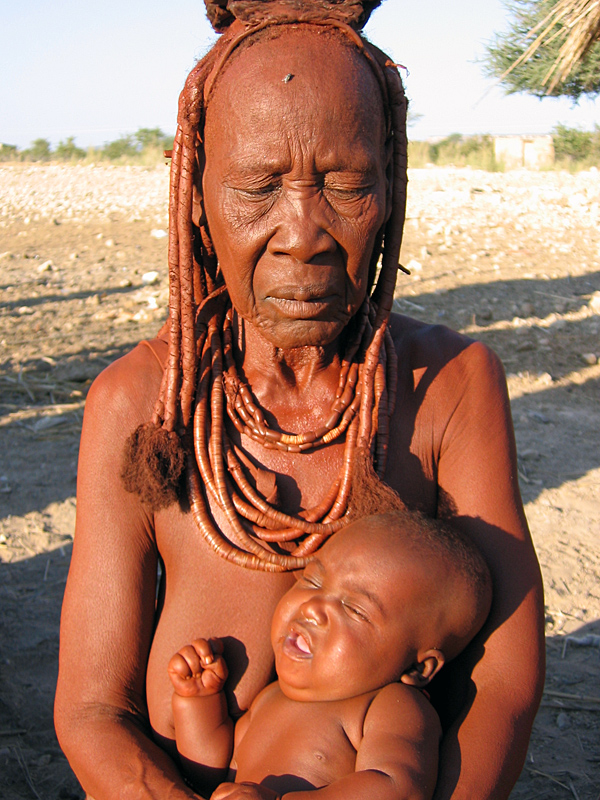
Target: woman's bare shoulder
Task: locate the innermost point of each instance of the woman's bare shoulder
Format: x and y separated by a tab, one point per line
130	385
120	400
424	338
430	346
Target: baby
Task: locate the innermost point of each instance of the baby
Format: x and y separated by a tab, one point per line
368	624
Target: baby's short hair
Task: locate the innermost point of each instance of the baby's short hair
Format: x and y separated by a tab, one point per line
442	539
372	499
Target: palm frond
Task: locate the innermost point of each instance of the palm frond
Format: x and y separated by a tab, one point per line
577	24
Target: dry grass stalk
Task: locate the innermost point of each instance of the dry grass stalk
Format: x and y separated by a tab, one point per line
578	23
573	790
31	386
546	775
23	764
566	706
583	698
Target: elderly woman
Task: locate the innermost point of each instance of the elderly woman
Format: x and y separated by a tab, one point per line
288	400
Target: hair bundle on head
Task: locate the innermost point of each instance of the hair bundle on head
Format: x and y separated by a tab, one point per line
354	13
200	382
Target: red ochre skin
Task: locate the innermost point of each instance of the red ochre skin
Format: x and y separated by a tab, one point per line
451	445
367	624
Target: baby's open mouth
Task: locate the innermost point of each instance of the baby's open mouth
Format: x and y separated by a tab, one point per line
302	643
297	645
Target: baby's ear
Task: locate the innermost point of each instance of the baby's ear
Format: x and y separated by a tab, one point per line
423	671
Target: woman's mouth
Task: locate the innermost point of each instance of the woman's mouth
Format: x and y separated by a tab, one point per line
295	308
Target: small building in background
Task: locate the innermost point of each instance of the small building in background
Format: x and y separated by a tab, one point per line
531	152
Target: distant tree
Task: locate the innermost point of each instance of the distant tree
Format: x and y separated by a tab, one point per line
134	144
8	152
68	150
152	137
550	49
40	150
124	146
577	146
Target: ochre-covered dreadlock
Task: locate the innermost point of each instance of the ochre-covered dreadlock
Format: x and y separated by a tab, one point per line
200	382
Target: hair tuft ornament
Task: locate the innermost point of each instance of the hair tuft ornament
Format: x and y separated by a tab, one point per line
355	13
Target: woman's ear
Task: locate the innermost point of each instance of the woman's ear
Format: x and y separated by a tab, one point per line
424	670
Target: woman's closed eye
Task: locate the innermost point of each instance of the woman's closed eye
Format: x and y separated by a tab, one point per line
261	191
257	191
346	188
344	193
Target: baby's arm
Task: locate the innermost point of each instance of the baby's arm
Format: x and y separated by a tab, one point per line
396	760
203	727
400	746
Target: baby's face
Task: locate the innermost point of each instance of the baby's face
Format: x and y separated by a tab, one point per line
351	622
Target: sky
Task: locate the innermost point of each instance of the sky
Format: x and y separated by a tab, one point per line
99	69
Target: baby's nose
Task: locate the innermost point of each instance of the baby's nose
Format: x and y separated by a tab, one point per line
315	611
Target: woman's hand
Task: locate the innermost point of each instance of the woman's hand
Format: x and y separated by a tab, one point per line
243	791
198	669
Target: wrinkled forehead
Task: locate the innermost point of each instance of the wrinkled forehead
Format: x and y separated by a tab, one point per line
301	61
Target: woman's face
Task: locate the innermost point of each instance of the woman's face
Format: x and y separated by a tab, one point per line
295	185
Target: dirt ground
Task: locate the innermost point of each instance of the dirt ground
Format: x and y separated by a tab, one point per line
512	259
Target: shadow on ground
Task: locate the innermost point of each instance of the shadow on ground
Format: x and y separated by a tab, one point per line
31	761
567	727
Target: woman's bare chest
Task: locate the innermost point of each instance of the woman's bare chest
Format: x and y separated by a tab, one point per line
202	595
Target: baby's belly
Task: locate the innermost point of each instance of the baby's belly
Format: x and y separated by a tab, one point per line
295	747
206	597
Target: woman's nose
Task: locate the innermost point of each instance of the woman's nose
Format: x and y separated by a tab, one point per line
315	610
303	228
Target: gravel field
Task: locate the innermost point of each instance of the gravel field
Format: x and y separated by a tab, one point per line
78	193
512	259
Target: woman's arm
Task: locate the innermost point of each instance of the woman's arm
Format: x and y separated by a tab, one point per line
109	606
484	749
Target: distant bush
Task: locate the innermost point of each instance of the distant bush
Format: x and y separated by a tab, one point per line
148	138
144	147
68	150
8	152
40	150
575	148
419	154
455	150
120	148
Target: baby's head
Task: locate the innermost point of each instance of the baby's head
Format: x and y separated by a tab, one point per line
392	597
